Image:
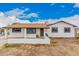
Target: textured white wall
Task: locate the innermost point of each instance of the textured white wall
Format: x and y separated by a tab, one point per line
21	34
29	41
60	32
16	34
38	32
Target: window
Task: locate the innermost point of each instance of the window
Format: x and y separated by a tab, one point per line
67	29
16	30
31	30
54	29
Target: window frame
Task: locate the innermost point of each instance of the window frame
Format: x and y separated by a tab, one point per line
30	30
68	30
54	29
14	30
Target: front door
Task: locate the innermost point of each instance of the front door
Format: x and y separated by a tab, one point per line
41	32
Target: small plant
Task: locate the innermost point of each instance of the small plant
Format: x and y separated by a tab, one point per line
77	36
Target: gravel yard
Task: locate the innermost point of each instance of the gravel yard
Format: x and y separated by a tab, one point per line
58	47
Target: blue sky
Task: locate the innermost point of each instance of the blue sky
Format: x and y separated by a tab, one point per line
35	11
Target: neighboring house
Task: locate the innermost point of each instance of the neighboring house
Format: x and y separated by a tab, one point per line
60	29
1	31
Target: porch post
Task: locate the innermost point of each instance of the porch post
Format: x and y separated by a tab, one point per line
45	31
24	32
5	31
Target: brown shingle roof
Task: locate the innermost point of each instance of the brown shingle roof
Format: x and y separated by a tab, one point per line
34	25
27	25
63	22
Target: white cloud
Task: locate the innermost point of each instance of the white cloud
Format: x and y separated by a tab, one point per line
16	12
73	20
22	21
1	14
45	20
5	20
52	4
19	13
26	9
12	16
76	5
62	6
31	15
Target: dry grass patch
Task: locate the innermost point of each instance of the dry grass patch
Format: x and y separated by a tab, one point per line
58	47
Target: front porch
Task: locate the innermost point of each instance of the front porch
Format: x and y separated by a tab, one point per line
22	37
24	33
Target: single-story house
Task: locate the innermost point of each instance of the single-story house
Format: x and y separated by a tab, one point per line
38	33
59	29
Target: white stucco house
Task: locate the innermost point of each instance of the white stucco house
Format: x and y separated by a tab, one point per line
62	29
39	32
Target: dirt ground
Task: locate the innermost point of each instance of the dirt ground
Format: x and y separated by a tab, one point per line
58	47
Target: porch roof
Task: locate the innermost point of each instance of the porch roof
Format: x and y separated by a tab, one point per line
27	25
